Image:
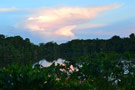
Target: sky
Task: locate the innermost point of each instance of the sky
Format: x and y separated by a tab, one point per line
63	20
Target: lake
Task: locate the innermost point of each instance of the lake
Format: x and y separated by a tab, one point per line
45	63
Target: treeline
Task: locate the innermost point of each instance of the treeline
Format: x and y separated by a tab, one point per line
18	50
77	48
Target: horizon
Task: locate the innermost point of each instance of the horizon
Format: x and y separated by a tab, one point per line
70	40
62	21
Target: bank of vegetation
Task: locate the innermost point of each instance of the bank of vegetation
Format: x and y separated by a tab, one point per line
93	64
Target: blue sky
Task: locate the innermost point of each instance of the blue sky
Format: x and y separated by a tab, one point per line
63	20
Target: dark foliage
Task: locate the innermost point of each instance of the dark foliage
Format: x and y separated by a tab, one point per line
77	48
17	50
104	72
90	64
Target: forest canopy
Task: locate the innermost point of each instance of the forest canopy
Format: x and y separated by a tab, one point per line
18	50
93	64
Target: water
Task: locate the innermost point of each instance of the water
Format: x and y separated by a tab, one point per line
45	63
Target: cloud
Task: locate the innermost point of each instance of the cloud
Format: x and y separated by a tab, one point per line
8	9
59	22
88	26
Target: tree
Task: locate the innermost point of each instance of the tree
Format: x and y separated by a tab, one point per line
132	36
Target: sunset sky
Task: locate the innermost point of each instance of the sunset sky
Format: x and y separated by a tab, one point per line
64	20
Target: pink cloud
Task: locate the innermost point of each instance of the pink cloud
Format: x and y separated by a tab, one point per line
61	21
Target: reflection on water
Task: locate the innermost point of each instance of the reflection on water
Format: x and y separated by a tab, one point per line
45	63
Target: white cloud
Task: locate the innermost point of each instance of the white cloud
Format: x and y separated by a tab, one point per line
58	23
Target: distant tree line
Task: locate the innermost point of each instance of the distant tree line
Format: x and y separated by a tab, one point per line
18	50
77	48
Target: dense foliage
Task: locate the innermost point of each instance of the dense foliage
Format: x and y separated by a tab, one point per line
77	48
93	64
17	50
104	72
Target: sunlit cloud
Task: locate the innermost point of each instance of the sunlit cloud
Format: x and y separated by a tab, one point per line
65	31
59	22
